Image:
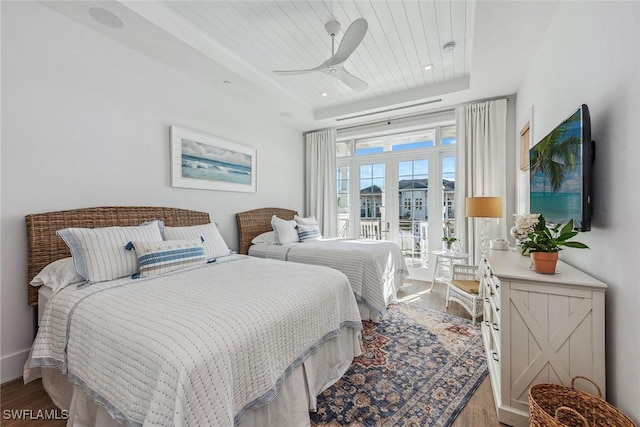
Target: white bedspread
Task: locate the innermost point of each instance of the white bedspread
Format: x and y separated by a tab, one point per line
199	347
376	269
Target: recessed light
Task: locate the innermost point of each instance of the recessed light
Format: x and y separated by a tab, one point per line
428	67
226	82
324	94
105	17
449	47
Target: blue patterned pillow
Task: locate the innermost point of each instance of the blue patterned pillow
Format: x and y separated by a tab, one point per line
285	231
155	258
209	235
307	228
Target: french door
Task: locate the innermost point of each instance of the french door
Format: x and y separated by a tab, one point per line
406	198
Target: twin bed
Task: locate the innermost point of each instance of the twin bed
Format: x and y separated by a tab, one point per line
375	269
239	341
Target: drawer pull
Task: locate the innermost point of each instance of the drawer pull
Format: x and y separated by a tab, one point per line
497	286
497	308
495	326
486	323
494	356
486	300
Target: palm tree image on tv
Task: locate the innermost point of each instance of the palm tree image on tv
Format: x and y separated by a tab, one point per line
555	173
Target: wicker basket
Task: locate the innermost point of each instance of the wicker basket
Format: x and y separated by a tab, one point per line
557	405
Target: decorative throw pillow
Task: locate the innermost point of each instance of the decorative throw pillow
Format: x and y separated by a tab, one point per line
99	254
307	228
310	220
285	231
209	235
155	258
268	238
58	275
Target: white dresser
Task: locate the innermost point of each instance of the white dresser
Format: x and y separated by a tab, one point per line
538	328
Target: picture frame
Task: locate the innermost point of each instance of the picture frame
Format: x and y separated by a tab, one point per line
525	140
208	162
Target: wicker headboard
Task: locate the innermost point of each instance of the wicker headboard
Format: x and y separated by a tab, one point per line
44	246
257	221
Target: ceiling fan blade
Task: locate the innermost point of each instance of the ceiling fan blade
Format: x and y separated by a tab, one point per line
309	70
350	80
294	72
350	41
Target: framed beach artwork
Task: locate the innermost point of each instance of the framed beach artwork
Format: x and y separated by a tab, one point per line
211	163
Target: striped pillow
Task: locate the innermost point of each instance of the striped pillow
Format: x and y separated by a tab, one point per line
155	258
308	232
307	228
99	254
285	231
209	235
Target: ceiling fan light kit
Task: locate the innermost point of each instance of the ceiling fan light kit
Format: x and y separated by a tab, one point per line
334	66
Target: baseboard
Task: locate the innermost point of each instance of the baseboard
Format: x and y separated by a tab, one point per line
12	365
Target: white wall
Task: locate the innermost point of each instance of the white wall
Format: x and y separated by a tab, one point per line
591	55
85	122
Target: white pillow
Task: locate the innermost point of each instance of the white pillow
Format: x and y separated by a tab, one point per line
99	254
310	220
58	275
155	258
268	238
307	228
209	235
285	231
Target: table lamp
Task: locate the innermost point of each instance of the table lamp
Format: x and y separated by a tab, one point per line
485	208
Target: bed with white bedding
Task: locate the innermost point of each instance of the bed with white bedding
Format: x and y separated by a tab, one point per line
238	341
375	269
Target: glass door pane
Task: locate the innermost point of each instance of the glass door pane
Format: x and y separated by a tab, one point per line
448	198
343	201
413	189
372	202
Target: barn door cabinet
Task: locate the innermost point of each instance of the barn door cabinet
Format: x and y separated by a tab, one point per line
538	329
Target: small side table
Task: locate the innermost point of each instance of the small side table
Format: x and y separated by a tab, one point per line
447	258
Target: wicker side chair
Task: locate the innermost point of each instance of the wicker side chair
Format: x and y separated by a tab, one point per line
465	289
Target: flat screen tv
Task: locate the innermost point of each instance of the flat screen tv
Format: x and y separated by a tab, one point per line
560	172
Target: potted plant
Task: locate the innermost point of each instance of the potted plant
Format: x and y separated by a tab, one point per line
544	243
448	241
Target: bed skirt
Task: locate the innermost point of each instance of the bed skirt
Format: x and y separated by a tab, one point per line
295	399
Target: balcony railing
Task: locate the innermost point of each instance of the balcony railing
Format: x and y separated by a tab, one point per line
412	237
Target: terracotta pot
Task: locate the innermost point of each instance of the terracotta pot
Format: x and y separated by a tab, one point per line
544	262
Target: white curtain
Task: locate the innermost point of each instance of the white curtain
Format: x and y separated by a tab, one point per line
320	184
481	167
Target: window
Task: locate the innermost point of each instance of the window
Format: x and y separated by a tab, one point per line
387	177
448	135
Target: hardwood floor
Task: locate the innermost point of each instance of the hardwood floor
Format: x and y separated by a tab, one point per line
479	411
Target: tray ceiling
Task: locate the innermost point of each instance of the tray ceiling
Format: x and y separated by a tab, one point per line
242	42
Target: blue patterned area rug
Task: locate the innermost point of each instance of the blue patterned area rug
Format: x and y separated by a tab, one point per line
419	367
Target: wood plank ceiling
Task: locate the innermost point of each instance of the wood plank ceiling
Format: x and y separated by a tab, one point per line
402	38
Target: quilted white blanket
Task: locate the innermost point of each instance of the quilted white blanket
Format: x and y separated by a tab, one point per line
198	347
375	268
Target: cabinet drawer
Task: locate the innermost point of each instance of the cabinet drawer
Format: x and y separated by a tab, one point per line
492	345
491	289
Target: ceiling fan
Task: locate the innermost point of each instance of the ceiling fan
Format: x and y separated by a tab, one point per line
334	65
